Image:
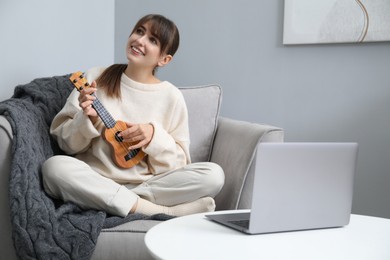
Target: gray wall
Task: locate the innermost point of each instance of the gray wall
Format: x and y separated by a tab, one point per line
45	38
337	92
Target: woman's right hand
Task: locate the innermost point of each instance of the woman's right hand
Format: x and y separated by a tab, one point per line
85	102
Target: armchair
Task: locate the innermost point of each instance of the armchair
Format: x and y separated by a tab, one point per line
230	143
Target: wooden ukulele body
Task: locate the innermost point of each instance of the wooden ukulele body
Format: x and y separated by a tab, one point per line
121	155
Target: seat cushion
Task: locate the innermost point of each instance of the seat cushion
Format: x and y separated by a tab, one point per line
124	242
203	103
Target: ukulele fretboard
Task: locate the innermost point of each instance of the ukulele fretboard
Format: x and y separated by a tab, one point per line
106	117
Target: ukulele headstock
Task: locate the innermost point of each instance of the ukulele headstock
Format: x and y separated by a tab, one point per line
79	81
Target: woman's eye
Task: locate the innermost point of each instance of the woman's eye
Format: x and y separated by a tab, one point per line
154	40
139	31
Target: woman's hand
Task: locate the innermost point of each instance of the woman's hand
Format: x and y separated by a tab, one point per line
138	134
85	102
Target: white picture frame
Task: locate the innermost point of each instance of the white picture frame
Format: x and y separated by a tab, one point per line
336	21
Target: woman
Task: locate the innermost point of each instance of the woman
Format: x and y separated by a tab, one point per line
164	181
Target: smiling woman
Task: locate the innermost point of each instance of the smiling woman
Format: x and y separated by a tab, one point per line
150	33
163	32
141	42
154	120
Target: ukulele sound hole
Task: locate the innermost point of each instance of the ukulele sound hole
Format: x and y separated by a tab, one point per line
118	138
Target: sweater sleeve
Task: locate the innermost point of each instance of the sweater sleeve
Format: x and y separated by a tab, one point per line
72	129
169	148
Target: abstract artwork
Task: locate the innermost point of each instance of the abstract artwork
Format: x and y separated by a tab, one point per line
336	21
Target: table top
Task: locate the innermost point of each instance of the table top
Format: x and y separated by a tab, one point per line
196	237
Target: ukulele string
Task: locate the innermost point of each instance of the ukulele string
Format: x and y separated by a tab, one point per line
114	131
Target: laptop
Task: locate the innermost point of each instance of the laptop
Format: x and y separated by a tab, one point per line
298	186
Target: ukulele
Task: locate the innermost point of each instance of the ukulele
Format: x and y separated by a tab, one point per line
121	155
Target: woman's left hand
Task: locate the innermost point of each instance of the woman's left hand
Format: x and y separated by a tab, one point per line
138	134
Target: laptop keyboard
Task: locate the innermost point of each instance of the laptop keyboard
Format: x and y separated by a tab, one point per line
242	223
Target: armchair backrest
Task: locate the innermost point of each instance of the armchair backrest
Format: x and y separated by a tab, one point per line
203	103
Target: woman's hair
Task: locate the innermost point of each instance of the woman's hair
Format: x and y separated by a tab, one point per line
167	34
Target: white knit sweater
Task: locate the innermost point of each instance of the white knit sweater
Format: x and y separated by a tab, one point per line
160	104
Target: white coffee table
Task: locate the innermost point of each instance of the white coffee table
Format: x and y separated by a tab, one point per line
195	237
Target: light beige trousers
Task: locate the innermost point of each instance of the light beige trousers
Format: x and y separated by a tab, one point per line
70	179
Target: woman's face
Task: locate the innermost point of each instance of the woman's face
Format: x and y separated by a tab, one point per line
143	48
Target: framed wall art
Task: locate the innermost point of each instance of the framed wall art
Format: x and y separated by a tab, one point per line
336	21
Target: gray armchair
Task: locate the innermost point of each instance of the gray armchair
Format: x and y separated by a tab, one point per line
230	143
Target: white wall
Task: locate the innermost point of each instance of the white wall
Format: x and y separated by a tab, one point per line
45	38
336	92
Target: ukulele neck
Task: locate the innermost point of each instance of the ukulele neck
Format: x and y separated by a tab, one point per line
104	115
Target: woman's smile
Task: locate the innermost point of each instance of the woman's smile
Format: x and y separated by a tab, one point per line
136	51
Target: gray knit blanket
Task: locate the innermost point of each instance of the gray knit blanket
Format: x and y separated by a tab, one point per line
44	228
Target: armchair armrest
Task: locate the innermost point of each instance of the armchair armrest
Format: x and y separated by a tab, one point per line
234	149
